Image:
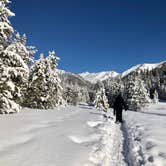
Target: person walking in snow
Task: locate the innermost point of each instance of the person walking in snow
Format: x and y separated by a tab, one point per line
118	107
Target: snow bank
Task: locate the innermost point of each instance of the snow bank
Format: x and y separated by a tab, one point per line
147	134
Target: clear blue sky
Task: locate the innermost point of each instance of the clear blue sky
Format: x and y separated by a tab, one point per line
95	35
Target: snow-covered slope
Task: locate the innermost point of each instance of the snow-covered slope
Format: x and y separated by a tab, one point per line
100	76
72	79
141	67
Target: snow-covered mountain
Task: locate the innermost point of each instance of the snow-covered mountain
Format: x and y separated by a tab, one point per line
153	75
142	67
100	76
73	79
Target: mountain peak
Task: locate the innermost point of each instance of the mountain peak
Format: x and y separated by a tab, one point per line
141	67
99	76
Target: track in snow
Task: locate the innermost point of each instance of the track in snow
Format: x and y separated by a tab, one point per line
108	140
114	148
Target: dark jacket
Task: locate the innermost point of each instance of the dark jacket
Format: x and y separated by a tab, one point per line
119	104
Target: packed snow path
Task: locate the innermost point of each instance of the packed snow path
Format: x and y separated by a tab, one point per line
82	136
108	151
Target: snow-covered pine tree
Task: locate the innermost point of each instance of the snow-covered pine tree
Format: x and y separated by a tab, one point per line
18	46
71	96
44	85
101	101
83	95
136	93
26	52
155	97
113	88
13	69
37	89
6	30
55	89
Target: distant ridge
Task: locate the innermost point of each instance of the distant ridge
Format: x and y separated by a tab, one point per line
100	76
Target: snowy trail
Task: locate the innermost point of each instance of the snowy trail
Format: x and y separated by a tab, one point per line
108	151
119	144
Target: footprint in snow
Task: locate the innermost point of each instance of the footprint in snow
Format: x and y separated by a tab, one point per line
94	123
82	139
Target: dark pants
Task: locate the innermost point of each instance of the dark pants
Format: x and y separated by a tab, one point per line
118	113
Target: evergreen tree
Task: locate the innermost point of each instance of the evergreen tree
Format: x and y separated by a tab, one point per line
71	96
83	95
44	89
54	81
18	46
136	93
101	101
26	52
113	87
37	89
13	69
155	97
6	30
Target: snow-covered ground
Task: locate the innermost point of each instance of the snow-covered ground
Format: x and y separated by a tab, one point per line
147	133
82	136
